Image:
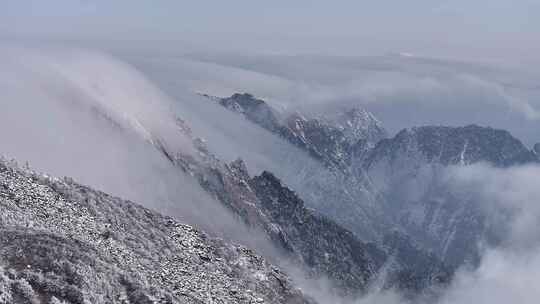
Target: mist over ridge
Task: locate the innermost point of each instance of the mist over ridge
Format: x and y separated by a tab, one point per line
85	115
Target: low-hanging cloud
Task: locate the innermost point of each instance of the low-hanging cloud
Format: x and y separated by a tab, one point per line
423	91
86	115
509	272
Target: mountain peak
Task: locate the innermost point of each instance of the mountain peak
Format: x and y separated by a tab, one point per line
254	109
331	139
357	123
457	145
245	100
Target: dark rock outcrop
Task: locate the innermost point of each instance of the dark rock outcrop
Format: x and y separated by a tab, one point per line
454	146
413	269
336	252
331	139
325	247
254	109
408	170
316	243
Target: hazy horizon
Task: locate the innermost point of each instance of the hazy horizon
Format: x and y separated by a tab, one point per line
499	31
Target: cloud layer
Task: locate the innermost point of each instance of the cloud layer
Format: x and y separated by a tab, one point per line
510	272
401	91
86	115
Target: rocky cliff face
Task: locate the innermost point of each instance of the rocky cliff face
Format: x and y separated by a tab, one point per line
410	268
332	139
358	124
61	242
254	109
338	141
380	187
326	248
409	172
311	241
318	244
321	244
454	146
331	250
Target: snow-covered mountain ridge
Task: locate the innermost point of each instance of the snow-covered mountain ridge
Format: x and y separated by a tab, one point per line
331	138
67	243
390	169
322	247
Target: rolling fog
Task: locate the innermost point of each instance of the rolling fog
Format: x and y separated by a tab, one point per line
402	91
510	272
85	115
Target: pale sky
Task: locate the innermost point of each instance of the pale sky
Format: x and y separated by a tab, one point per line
481	29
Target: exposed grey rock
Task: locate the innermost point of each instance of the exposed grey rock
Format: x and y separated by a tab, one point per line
370	191
324	142
254	109
327	248
406	170
411	269
536	149
334	189
61	242
455	145
332	139
312	241
358	124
